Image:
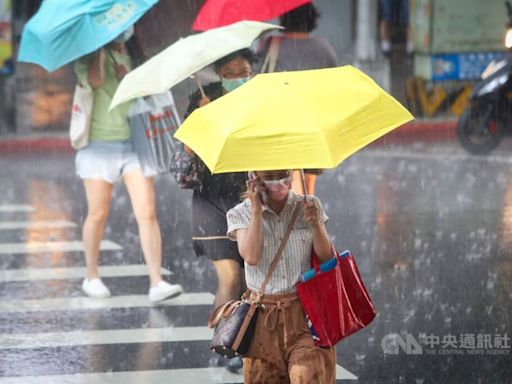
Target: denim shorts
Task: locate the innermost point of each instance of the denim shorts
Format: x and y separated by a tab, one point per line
106	160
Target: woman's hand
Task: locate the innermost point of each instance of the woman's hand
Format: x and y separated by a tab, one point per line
255	189
250	240
311	213
203	101
121	71
321	241
96	69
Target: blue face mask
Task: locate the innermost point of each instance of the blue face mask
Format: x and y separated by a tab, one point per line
232	84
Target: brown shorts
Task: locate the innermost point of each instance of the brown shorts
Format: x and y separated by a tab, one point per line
282	350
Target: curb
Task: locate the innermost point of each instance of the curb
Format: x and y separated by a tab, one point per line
35	145
420	131
417	131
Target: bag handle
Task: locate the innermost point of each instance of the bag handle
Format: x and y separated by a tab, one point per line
223	310
270	62
279	253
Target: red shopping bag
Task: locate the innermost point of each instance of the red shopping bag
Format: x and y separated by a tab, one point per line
335	301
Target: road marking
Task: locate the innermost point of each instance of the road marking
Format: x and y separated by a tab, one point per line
217	375
53	246
100	337
6	225
213	375
34	274
344	374
81	303
16	208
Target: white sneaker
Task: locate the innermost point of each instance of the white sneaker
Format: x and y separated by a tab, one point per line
95	288
164	290
385	47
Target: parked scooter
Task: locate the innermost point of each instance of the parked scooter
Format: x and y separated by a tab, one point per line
488	117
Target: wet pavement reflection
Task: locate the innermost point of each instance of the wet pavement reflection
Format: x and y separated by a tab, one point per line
431	230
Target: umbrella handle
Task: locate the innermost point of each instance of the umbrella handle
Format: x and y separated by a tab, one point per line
200	86
303	179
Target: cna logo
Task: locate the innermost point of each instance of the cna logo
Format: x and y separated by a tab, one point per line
392	344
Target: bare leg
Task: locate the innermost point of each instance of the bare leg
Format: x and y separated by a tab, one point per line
228	274
310	180
310	183
297	183
385	36
142	195
98	193
385	30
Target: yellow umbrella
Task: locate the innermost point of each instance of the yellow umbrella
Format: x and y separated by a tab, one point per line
292	120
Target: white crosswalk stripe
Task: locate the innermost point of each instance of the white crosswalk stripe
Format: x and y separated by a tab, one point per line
116	336
44	224
16	208
34	274
81	303
212	375
53	246
181	376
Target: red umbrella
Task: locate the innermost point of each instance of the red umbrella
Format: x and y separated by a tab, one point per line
217	13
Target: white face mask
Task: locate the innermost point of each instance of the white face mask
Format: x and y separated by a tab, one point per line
278	189
125	36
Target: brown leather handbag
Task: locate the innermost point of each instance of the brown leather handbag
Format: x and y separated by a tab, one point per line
235	320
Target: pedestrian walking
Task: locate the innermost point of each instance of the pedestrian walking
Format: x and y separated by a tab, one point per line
394	13
218	193
108	157
282	348
296	50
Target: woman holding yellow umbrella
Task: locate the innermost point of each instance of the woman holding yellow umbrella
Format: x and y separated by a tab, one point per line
258	228
309	119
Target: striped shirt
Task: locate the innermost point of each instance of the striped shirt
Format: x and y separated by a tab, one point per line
296	257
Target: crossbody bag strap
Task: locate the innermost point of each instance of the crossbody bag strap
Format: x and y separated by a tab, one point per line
109	52
279	253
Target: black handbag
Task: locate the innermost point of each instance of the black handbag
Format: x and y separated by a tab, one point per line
234	324
235	321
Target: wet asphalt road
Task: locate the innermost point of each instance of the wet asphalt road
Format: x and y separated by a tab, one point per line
430	227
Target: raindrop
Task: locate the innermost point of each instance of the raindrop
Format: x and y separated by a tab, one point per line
360	356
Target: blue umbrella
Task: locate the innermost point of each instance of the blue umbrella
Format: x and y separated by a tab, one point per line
62	31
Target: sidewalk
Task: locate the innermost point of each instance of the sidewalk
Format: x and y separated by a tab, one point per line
417	131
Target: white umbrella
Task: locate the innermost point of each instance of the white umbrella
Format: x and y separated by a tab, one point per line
185	57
